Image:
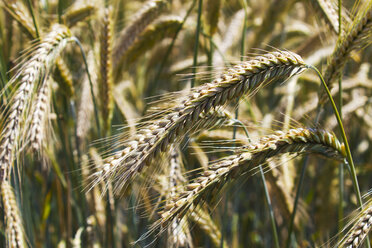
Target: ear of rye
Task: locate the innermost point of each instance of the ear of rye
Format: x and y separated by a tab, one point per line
294	141
357	36
33	70
237	81
143	18
360	230
14	228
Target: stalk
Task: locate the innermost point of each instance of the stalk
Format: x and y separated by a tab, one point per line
344	138
196	45
341	167
272	217
60	6
267	195
242	52
299	188
33	18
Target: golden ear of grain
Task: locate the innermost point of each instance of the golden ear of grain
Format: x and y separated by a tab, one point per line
61	74
77	13
237	81
327	9
63	77
144	17
294	141
20	13
357	36
178	230
360	230
205	222
34	69
105	73
163	28
211	14
39	125
14	228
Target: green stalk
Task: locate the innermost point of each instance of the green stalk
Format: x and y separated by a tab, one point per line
339	37
110	235
238	122
299	189
242	45
272	217
210	55
196	45
344	138
2	77
267	195
295	204
237	101
341	167
341	198
60	6
33	18
2	63
214	46
242	52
